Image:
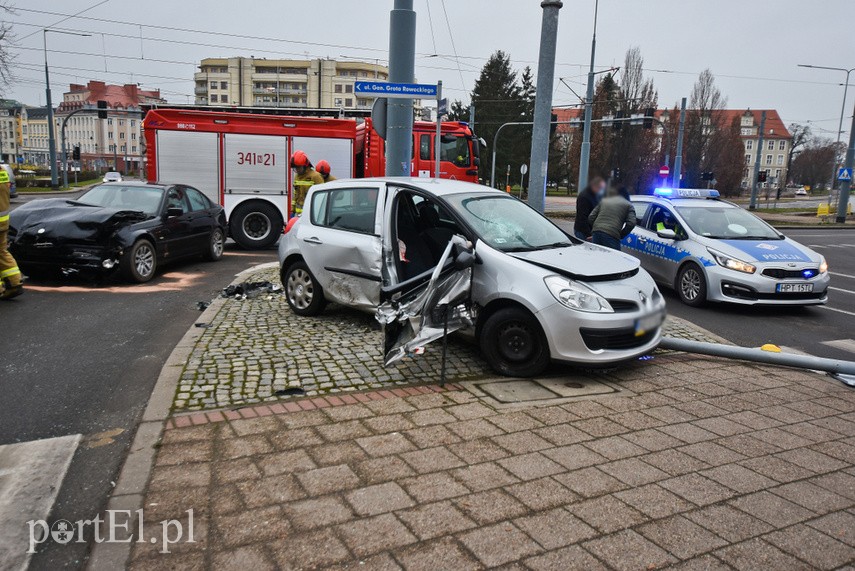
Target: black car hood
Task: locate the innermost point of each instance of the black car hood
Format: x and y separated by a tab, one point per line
61	219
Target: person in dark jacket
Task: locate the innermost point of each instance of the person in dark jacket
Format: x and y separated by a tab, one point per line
585	204
612	220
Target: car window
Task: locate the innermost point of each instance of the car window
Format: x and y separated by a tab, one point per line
641	209
144	199
727	223
177	198
663	219
424	147
197	200
351	209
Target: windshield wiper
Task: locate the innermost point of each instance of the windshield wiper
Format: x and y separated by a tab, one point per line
78	203
562	244
757	238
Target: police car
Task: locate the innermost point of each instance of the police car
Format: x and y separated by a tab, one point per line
709	249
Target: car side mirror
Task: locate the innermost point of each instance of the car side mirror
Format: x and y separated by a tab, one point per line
174	211
464	259
667	234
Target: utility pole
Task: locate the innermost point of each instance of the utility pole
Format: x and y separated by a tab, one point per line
51	134
543	104
589	110
755	189
845	185
402	62
472	117
438	139
678	158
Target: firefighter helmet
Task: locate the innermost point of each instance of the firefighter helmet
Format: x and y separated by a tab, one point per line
300	159
323	167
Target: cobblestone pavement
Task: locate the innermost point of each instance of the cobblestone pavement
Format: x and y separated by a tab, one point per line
698	463
258	346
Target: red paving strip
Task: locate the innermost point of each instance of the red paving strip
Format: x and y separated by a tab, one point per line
196	418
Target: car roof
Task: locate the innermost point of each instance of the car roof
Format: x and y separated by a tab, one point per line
433	186
685	202
139	183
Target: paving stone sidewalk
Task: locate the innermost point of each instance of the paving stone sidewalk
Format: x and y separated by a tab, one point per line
258	347
698	463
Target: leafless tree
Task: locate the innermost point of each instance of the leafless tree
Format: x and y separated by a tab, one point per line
801	135
7	40
635	148
702	122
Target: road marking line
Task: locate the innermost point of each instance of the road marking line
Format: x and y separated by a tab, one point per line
842	275
845	344
841	289
838	310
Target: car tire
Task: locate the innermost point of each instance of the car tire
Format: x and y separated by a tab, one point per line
302	290
216	245
139	263
691	285
256	225
514	344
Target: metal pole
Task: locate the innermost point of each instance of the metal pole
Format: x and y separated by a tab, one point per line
436	143
678	158
543	105
64	156
840	127
845	185
756	186
402	57
585	157
472	117
51	132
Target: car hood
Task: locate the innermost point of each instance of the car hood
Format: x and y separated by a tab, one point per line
69	220
583	262
765	251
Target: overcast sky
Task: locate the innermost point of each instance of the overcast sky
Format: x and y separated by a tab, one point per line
751	46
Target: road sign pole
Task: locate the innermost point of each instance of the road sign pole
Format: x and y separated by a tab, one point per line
543	104
585	157
402	61
678	157
845	185
755	188
438	140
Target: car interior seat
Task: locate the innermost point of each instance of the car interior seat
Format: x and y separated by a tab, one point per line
419	258
435	236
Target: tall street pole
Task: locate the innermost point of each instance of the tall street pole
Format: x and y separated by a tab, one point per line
755	188
543	104
845	185
585	157
402	63
51	133
678	158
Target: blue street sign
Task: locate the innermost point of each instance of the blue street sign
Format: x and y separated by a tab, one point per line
399	90
844	174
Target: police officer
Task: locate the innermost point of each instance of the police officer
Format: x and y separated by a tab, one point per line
10	275
305	179
324	168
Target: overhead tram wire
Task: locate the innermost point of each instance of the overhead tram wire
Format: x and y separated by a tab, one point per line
453	47
67	17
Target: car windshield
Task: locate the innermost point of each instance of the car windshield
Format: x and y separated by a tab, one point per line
141	198
507	224
727	223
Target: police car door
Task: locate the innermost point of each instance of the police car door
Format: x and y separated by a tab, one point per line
659	251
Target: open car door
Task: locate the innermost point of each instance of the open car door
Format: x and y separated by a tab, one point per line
428	306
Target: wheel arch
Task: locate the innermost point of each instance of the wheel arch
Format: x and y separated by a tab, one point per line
497	304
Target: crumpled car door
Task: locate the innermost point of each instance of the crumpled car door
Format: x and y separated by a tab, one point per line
413	316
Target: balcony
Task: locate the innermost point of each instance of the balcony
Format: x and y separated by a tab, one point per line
200	90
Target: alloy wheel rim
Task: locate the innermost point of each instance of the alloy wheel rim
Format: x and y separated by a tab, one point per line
256	225
690	285
144	260
217	243
300	289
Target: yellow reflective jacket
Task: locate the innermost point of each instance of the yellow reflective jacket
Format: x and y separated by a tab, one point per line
302	184
5	191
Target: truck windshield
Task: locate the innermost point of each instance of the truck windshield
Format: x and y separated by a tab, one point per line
455	149
507	224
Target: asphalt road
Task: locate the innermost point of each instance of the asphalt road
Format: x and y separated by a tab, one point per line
808	329
83	358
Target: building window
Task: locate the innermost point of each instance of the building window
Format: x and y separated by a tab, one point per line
110	135
782	145
747	159
348	89
213	85
224	85
749	145
213	98
121	135
124	148
768	159
121	122
134	149
745	132
133	136
338	88
747	121
780	160
348	102
777	173
109	121
133	123
771	145
338	102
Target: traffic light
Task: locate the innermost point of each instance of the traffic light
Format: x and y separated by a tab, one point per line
617	125
761	176
708	175
553	125
616	175
75	153
102	109
648	118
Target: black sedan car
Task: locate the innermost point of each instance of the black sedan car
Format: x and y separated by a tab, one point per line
129	226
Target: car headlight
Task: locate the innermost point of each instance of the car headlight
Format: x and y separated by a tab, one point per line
823	265
732	263
576	296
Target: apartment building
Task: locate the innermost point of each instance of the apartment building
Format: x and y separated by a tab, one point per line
254	82
10	130
34	136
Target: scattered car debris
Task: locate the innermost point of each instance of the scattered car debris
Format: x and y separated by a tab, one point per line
291	391
203	325
202	305
249	290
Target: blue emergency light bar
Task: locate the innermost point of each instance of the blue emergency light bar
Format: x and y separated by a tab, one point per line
686	193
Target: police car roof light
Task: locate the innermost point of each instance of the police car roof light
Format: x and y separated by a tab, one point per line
686	193
663	192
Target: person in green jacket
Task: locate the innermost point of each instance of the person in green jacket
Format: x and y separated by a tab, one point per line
612	220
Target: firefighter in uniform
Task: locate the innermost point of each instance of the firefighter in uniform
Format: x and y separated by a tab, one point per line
305	179
10	275
324	168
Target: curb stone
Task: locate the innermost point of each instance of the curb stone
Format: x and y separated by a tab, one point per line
134	475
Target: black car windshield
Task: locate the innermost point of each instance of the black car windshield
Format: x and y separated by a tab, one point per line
140	198
727	223
507	224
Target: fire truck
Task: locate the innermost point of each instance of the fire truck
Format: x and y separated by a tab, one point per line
240	159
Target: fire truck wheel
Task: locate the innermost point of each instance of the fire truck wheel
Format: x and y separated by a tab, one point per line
256	225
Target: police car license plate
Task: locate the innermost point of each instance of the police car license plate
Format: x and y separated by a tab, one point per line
646	324
795	288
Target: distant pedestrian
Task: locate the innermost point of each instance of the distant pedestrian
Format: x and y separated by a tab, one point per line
612	220
585	204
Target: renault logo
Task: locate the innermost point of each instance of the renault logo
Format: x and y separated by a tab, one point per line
642	297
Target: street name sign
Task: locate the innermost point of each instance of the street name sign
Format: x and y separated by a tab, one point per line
396	90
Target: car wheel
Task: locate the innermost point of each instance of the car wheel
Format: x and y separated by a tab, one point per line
256	225
302	290
691	285
216	245
514	344
139	263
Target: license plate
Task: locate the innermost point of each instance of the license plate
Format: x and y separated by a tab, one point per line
645	324
795	288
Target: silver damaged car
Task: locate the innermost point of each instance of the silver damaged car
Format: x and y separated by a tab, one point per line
430	257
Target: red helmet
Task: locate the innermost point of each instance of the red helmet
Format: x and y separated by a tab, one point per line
300	159
323	167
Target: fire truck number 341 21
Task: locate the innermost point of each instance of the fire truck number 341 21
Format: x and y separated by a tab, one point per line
257	159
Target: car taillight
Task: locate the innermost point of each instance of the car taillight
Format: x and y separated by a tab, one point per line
291	223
